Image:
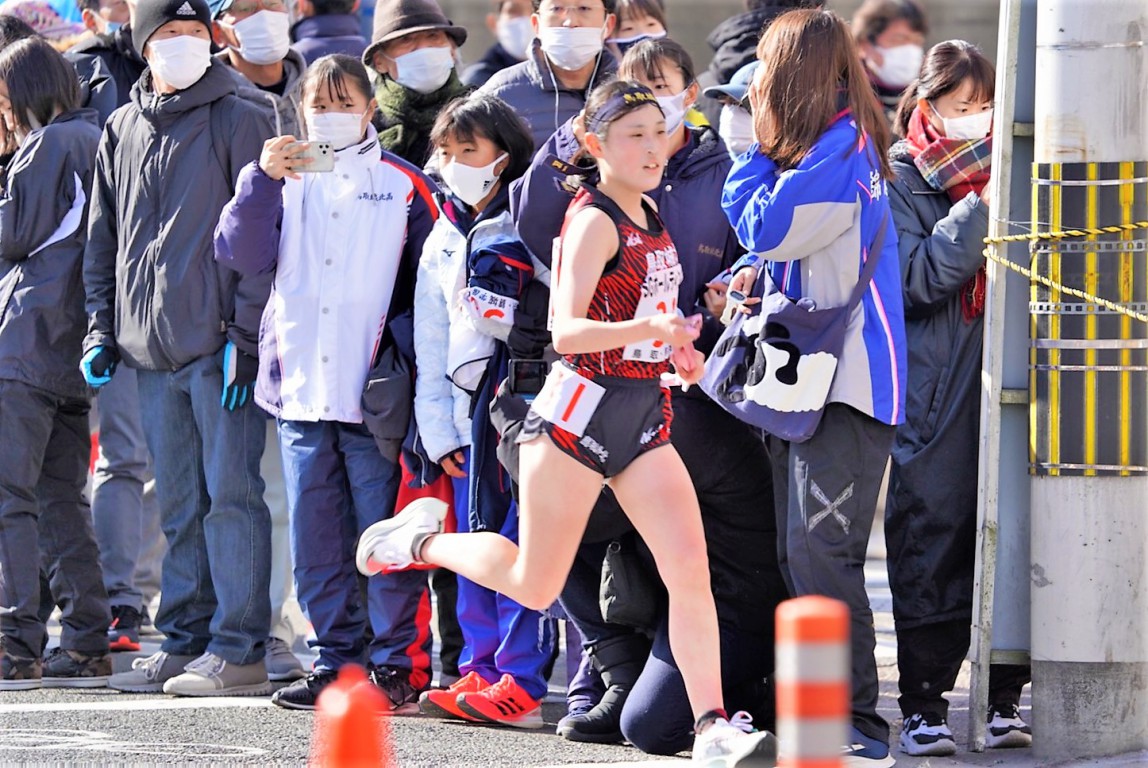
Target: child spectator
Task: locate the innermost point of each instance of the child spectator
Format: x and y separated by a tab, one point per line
638	20
481	145
343	246
43	399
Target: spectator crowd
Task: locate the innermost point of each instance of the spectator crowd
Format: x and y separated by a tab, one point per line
356	323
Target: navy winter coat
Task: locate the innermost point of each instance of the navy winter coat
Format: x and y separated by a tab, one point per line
43	225
930	516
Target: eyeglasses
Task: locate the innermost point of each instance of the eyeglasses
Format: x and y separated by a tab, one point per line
582	12
248	7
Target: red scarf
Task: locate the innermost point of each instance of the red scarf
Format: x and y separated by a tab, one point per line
956	167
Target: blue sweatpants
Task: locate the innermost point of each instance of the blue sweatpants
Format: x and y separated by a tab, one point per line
499	635
338	484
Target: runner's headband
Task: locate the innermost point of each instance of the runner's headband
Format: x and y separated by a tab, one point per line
619	104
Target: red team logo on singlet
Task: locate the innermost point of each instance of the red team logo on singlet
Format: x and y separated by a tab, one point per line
642	281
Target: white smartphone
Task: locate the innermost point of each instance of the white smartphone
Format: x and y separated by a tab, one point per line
321	154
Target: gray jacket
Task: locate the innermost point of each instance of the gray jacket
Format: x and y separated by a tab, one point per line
931	512
282	111
43	224
162	178
536	95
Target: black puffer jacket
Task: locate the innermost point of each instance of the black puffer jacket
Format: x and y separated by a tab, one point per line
43	224
154	289
734	41
109	66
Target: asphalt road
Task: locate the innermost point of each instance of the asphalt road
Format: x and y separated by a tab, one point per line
99	727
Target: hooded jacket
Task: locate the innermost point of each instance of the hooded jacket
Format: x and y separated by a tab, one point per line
734	41
813	226
283	112
316	36
154	290
532	91
43	224
932	507
688	199
109	66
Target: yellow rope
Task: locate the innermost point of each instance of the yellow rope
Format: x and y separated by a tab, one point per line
1033	237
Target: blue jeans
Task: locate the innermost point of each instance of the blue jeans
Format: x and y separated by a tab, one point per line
45	521
126	520
338	484
499	635
217	570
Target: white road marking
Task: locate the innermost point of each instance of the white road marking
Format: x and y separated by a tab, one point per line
129	703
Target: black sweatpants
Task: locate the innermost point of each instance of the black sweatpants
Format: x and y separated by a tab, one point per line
929	659
826	494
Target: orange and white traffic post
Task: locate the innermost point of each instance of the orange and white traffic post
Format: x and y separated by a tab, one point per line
349	729
812	676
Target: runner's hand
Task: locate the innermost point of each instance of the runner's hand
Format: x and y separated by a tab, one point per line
673	329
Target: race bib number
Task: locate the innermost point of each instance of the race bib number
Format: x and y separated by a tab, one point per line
659	297
568	400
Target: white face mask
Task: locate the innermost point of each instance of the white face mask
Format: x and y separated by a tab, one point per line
515	35
264	37
468	183
424	70
900	65
968	127
674	108
179	61
339	129
735	126
626	43
571	48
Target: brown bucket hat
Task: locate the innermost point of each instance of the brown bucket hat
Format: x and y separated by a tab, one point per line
395	18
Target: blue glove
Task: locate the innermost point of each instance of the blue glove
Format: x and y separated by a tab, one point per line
98	364
239	372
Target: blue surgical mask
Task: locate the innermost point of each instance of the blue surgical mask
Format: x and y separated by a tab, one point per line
112	27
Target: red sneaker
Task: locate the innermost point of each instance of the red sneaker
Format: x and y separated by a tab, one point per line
504	703
443	702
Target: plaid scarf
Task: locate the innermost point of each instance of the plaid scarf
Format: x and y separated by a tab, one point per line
957	167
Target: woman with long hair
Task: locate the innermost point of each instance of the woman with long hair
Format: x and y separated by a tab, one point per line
940	207
809	202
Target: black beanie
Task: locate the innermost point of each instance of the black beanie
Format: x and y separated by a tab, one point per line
153	14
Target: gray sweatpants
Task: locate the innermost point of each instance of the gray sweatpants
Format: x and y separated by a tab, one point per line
825	494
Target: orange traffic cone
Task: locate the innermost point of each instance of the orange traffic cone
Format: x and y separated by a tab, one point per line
348	730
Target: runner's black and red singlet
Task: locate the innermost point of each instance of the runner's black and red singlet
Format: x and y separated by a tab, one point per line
640	281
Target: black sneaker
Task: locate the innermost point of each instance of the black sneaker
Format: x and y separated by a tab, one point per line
302	694
1006	729
72	669
124	632
18	673
396	684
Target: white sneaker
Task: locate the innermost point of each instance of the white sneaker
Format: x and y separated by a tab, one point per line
927	734
734	742
389	544
1006	729
209	675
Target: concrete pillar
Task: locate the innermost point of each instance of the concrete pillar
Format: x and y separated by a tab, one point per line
1089	388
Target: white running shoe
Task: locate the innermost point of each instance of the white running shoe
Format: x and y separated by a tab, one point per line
734	742
1006	729
927	734
389	544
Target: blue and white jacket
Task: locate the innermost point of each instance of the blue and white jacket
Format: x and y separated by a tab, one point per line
813	226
